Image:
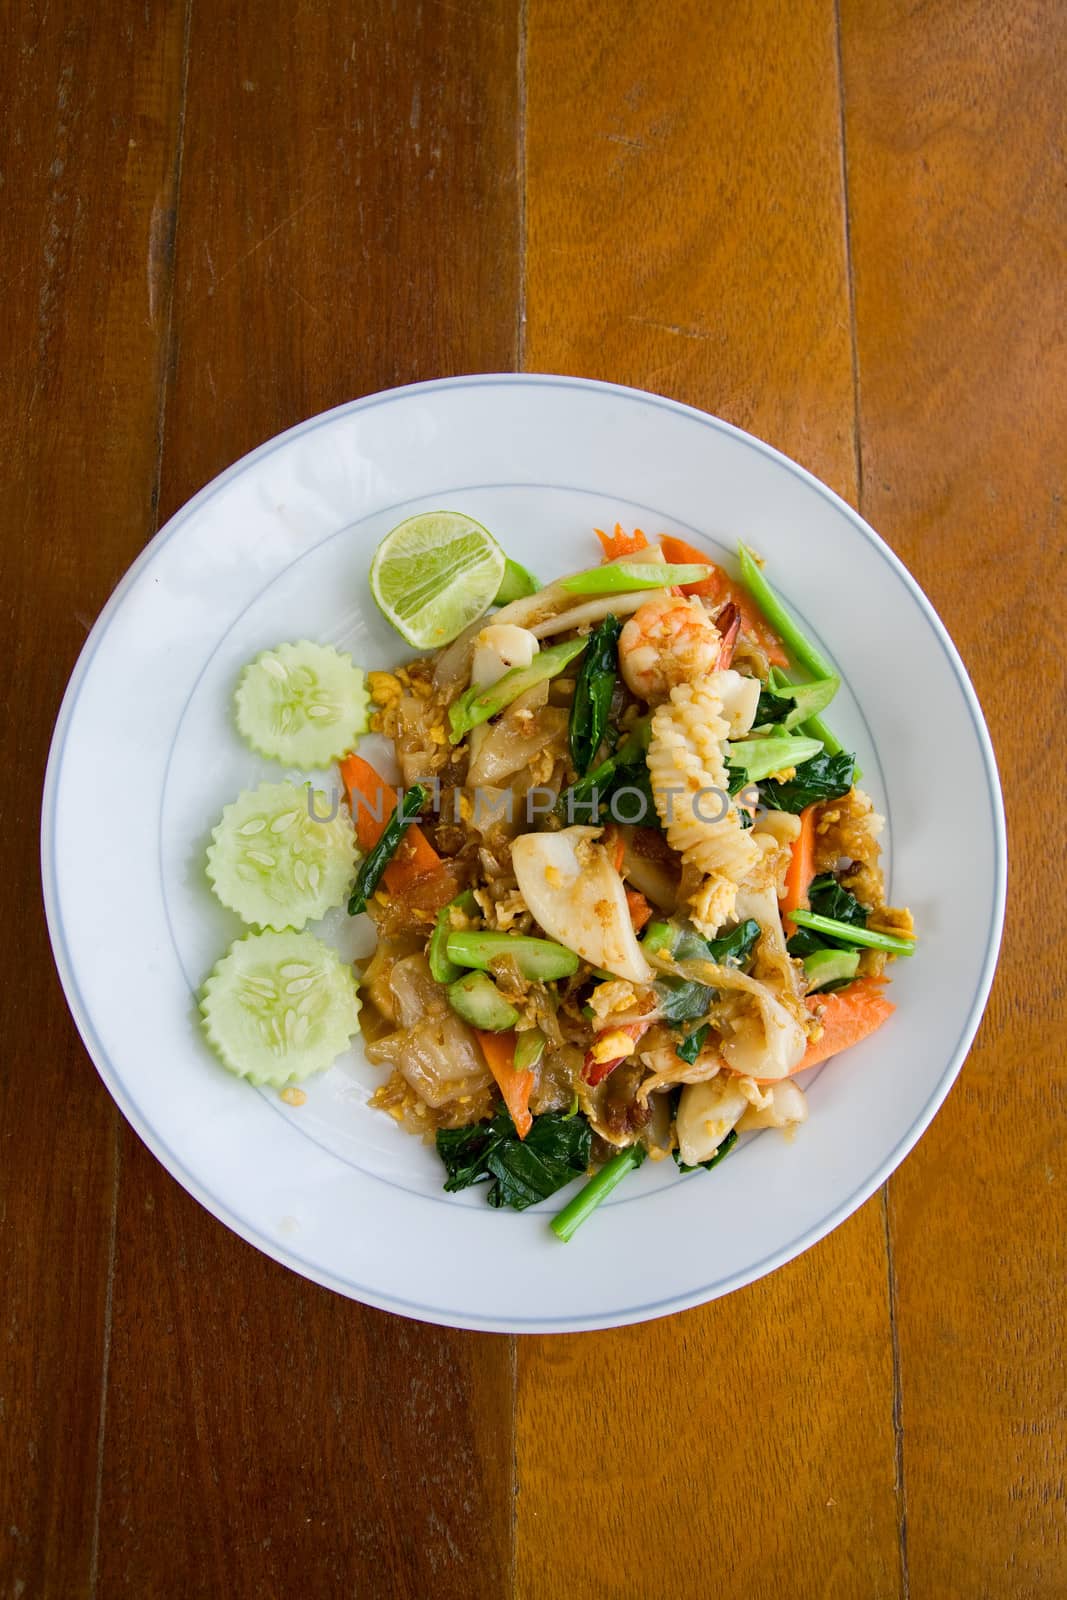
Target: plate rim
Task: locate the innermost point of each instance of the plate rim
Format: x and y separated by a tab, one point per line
172	1162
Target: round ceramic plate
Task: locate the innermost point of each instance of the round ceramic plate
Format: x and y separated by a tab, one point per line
145	756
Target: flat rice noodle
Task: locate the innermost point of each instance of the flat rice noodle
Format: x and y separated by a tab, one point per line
436	1053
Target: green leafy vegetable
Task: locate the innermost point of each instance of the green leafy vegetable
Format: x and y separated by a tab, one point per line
828	898
684	943
793	703
379	856
684	999
713	1160
477	705
679	1000
629	798
734	948
693	1043
597	795
519	1171
805	943
593	692
824	777
597	1189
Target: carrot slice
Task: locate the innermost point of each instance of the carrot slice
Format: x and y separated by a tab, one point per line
847	1016
720	588
800	871
640	910
516	1087
372	802
614	842
619	544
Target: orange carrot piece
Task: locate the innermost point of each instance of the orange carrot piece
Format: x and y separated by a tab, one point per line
516	1087
640	910
615	844
372	802
847	1016
620	544
720	588
800	871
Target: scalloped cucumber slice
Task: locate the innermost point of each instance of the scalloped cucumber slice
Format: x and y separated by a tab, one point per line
303	704
274	863
279	1006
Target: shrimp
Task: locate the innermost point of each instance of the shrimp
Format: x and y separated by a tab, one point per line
668	641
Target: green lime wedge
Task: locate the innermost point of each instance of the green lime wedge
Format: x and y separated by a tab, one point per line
435	574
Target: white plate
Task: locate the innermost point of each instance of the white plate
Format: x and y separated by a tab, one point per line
145	756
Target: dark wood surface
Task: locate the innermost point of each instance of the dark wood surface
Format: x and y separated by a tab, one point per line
841	227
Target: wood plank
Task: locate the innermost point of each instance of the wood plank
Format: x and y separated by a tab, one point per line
89	134
686	233
348	220
685	229
955	131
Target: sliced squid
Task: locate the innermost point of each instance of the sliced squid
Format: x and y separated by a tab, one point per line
787	1108
707	1112
579	899
687	769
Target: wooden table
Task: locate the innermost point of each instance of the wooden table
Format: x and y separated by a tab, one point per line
841	226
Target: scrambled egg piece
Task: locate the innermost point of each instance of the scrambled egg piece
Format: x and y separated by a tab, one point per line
612	1046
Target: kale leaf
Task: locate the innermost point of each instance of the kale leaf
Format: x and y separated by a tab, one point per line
690	1047
772	708
520	1171
828	898
824	777
593	692
734	948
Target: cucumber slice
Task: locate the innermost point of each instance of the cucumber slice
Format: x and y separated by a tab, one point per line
274	863
303	704
478	1001
279	1006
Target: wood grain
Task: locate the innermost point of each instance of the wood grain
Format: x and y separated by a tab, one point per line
87	191
348	219
686	233
684	215
955	130
220	219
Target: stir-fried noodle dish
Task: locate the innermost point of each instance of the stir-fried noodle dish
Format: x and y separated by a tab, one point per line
626	891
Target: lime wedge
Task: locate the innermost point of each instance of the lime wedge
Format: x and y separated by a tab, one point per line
434	574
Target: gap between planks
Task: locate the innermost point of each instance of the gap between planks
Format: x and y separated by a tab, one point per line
846	218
